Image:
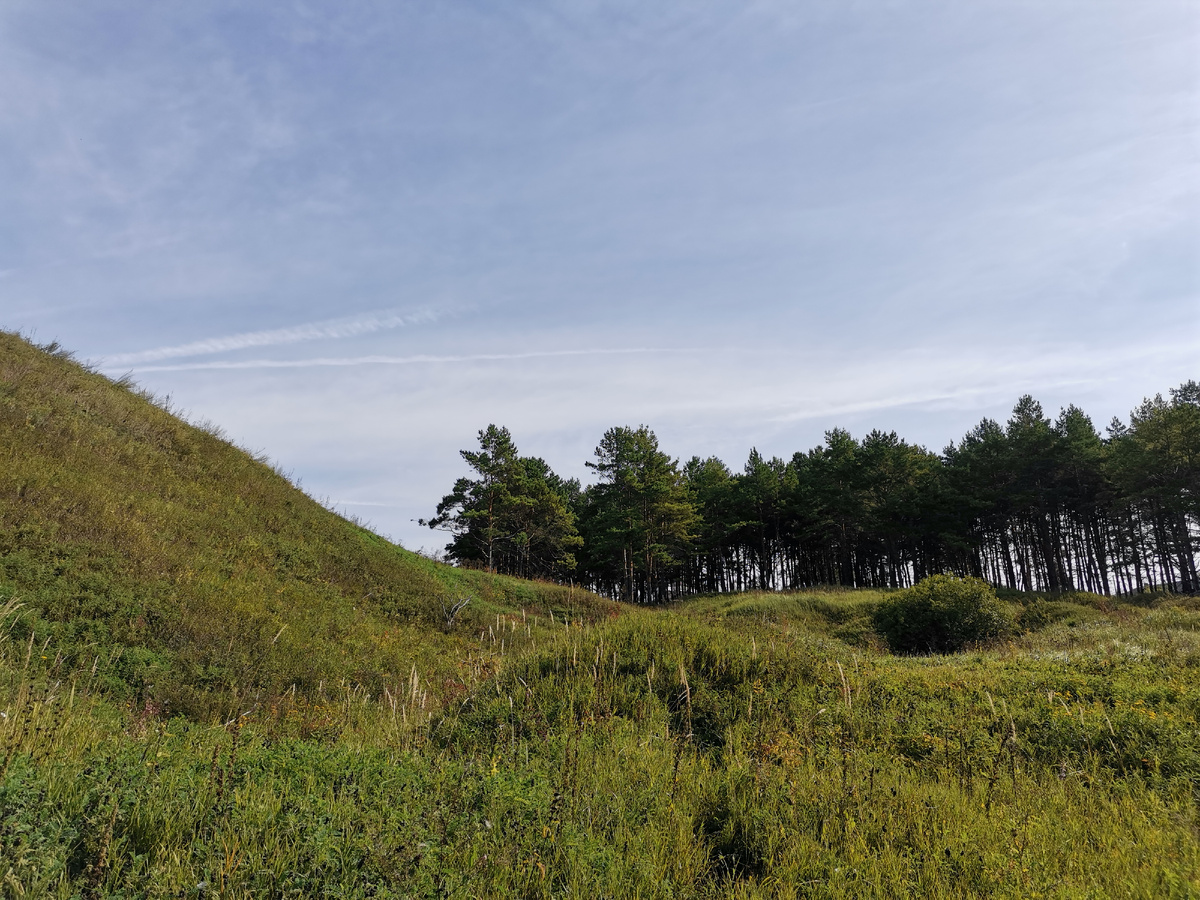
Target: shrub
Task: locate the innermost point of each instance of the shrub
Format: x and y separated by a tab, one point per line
942	614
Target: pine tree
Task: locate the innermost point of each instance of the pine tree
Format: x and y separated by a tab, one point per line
638	519
514	517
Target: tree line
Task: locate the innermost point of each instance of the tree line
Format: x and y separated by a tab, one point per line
1032	504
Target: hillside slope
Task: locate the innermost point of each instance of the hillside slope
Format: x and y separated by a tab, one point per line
194	570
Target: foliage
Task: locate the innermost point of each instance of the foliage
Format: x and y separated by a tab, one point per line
514	518
637	519
1032	504
942	614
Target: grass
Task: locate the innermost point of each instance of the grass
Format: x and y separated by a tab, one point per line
210	686
658	754
124	530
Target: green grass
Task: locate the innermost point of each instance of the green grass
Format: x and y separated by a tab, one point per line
124	530
213	687
659	754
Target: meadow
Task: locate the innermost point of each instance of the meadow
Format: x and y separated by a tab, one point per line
211	686
731	747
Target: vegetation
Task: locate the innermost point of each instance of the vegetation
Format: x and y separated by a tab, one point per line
162	734
515	517
730	747
1031	505
216	581
637	519
941	614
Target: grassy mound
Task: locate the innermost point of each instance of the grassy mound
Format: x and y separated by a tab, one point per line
199	576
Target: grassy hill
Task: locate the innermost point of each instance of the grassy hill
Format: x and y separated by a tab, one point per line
195	572
210	686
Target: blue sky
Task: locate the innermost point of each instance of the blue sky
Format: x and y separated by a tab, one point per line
354	233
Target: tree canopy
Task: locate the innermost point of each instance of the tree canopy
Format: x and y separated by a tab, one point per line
637	520
1032	504
514	517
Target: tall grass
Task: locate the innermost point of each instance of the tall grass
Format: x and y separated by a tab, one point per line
658	754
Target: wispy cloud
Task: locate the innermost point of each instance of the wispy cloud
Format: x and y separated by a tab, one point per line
980	382
380	360
353	326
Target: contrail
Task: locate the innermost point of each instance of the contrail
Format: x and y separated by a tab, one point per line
402	360
311	331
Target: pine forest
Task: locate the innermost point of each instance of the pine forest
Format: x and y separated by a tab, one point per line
1031	505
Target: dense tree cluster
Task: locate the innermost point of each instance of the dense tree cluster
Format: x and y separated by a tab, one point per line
515	517
1033	504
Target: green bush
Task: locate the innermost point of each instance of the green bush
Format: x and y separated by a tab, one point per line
942	614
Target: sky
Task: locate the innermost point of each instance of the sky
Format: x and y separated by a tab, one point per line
353	233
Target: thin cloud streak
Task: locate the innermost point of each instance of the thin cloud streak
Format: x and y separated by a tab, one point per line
965	398
407	360
996	381
354	326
